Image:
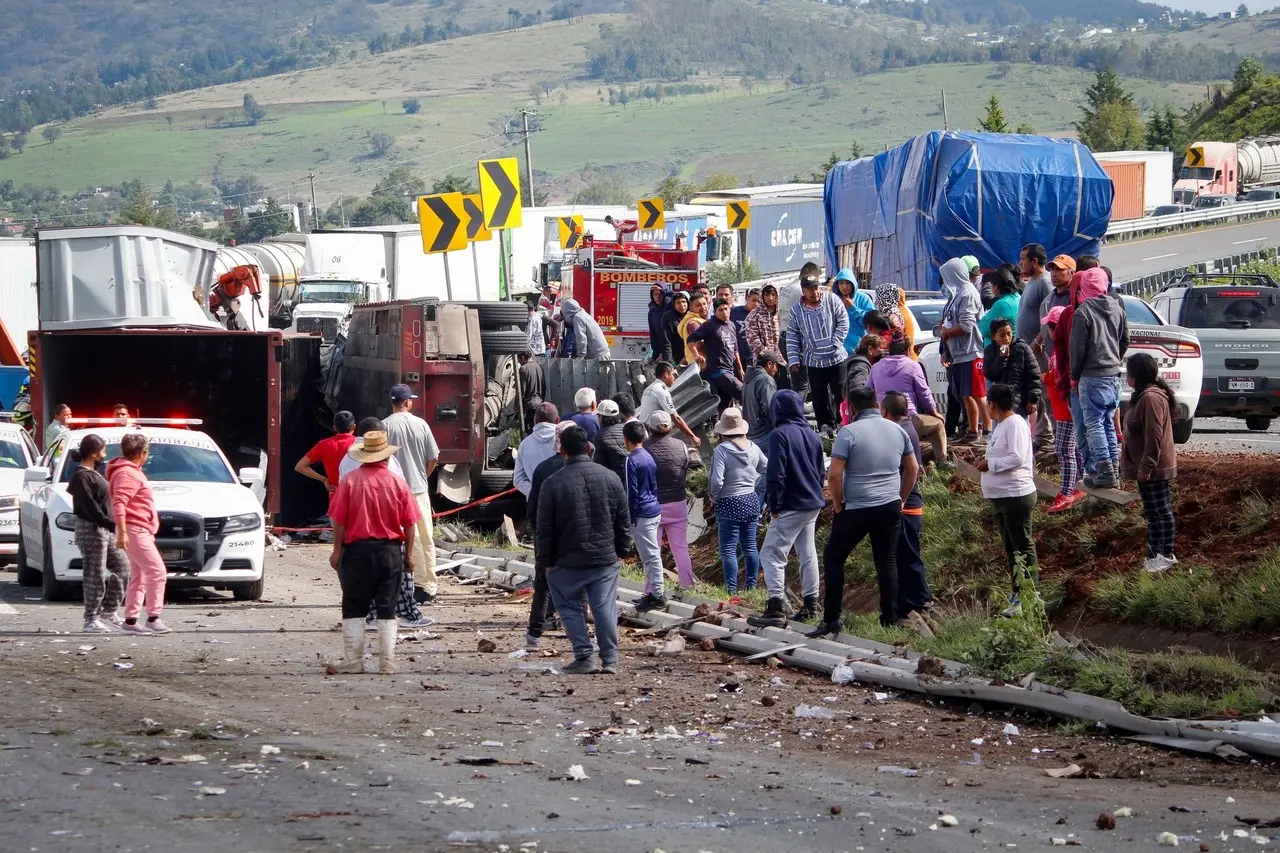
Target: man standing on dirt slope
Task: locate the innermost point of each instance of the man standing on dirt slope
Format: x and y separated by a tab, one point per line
536	447
818	326
583	533
646	516
913	580
418	455
1037	293
1099	340
588	340
793	496
963	341
761	325
532	385
757	395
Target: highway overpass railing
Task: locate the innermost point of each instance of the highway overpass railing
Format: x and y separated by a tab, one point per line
1129	228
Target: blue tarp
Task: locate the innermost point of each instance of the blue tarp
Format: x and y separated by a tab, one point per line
946	194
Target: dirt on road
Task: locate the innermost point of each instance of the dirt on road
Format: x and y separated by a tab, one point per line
227	734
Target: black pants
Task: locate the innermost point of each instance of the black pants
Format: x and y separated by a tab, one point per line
729	389
541	608
849	528
370	571
1013	521
913	585
827	392
955	406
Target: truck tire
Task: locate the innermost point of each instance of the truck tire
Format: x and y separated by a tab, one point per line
500	315
507	342
496	480
27	576
1258	423
1182	431
249	591
54	589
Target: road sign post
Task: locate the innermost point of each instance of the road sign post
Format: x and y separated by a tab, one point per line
652	214
500	192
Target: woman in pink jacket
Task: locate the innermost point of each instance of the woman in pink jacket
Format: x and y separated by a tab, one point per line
134	509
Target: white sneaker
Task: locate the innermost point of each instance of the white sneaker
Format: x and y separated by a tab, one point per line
113	619
1155	565
416	623
96	627
1172	559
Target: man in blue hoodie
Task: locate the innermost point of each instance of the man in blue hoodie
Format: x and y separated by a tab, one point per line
793	496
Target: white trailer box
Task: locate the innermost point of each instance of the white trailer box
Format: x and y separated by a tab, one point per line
18	304
1158	180
117	276
473	272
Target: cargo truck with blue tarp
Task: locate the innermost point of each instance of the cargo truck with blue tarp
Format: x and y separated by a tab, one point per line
898	216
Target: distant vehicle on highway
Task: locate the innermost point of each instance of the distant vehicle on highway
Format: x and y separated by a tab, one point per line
1237	318
1210	202
1175	349
1262	194
1170	209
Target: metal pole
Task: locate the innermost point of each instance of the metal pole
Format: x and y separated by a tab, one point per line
475	266
946	125
315	211
528	160
448	283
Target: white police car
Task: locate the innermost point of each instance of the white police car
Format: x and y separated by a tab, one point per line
17	453
212	527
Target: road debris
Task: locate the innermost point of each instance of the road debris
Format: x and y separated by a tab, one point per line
1105	821
1071	771
1167	839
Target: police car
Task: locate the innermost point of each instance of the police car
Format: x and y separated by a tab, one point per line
212	527
17	453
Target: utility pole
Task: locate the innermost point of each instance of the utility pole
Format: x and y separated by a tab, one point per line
528	157
315	211
946	125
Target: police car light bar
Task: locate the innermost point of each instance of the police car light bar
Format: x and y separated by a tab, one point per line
135	421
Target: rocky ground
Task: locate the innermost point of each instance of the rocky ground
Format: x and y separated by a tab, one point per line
227	734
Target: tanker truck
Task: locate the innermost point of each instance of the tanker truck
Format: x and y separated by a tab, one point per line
1228	168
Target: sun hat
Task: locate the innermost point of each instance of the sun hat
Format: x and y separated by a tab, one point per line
374	447
731	424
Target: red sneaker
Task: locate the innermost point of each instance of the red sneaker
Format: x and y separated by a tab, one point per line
1061	503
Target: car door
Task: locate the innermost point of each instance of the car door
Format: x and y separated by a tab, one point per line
35	502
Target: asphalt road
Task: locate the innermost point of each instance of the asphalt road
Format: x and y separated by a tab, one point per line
227	735
1229	435
1130	260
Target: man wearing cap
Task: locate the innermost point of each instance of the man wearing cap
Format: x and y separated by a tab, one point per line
375	519
583	533
716	345
757	395
1061	270
975	278
818	326
674	459
657	398
610	446
417	455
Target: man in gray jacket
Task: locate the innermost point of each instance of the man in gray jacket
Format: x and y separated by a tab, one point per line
588	340
1099	340
757	394
963	341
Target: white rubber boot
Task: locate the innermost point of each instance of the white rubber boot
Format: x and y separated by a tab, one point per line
387	646
352	648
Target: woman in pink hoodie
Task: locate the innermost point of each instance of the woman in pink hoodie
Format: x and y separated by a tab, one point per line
134	509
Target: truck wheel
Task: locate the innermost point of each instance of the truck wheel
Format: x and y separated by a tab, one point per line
27	576
507	342
54	589
495	480
1182	431
500	315
1258	423
249	591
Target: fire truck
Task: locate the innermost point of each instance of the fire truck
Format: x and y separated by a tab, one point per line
612	282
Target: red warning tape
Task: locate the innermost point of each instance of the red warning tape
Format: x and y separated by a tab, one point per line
434	515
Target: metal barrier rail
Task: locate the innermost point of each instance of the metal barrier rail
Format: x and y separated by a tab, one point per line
1148	285
1174	221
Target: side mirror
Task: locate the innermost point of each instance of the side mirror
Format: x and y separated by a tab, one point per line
250	476
36	474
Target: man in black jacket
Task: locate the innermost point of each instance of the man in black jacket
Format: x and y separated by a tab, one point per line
610	446
542	611
578	508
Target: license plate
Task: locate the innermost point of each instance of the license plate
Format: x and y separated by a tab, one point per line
171	555
1241	384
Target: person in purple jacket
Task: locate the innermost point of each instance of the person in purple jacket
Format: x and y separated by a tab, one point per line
646	515
897	372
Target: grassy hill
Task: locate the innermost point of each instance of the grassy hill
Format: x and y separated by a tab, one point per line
1256	35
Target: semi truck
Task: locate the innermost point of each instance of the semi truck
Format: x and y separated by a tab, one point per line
279	266
472	273
1228	168
1143	181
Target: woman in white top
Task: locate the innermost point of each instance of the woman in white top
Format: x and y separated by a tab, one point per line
1008	481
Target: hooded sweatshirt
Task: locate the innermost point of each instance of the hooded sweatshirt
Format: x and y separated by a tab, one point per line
899	373
588	340
131	496
857	373
795	473
657	310
962	311
757	394
537	446
862	303
736	470
672	344
1099	329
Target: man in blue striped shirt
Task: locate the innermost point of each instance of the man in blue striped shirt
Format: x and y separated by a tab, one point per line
815	339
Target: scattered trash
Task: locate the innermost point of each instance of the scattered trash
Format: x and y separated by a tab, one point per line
207	791
194	759
1230	800
813	712
429	733
730	687
119	665
698	761
673	645
901	771
1167	839
707	644
1058	842
268	749
1123	811
977	741
1260	822
577	774
1011	730
1106	821
1239	833
976	761
517	654
1184	810
492	744
777	681
87	648
433	685
843	674
768	701
632	783
948	820
486	646
1069	772
930	666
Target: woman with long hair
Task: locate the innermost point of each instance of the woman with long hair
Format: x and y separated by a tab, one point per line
735	485
1008	481
104	564
137	523
1147	455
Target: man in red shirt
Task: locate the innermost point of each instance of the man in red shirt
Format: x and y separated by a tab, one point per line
329	452
374	520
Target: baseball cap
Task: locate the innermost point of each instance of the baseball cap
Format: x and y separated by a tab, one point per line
772	355
971	263
809	281
1063	262
400	393
660	421
608	409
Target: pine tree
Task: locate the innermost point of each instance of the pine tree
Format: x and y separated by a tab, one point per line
1106	89
994	121
1111	121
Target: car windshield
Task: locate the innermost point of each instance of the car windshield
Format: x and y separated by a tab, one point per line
173	463
1262	195
346	292
1233	308
927	316
1197	173
1137	311
11	455
1205	201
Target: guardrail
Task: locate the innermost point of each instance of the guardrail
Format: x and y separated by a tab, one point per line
1192	218
1149	285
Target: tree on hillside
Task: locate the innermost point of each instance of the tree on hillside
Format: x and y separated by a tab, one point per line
604	189
256	227
19	141
1111	121
253	113
51	133
819	175
718	182
1164	131
1025	126
381	143
244	190
411	106
1242	11
673	191
1247	73
452	183
994	120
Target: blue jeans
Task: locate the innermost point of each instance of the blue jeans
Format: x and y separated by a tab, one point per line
731	533
1082	443
601	588
1099	399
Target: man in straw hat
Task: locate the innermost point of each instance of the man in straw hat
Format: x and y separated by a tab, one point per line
374	521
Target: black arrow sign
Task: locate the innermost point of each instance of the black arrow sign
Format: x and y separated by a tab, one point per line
449	223
475	217
650	213
737	215
575	236
507	194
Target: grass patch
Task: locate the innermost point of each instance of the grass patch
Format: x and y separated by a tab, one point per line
477	538
1253	515
1190	597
